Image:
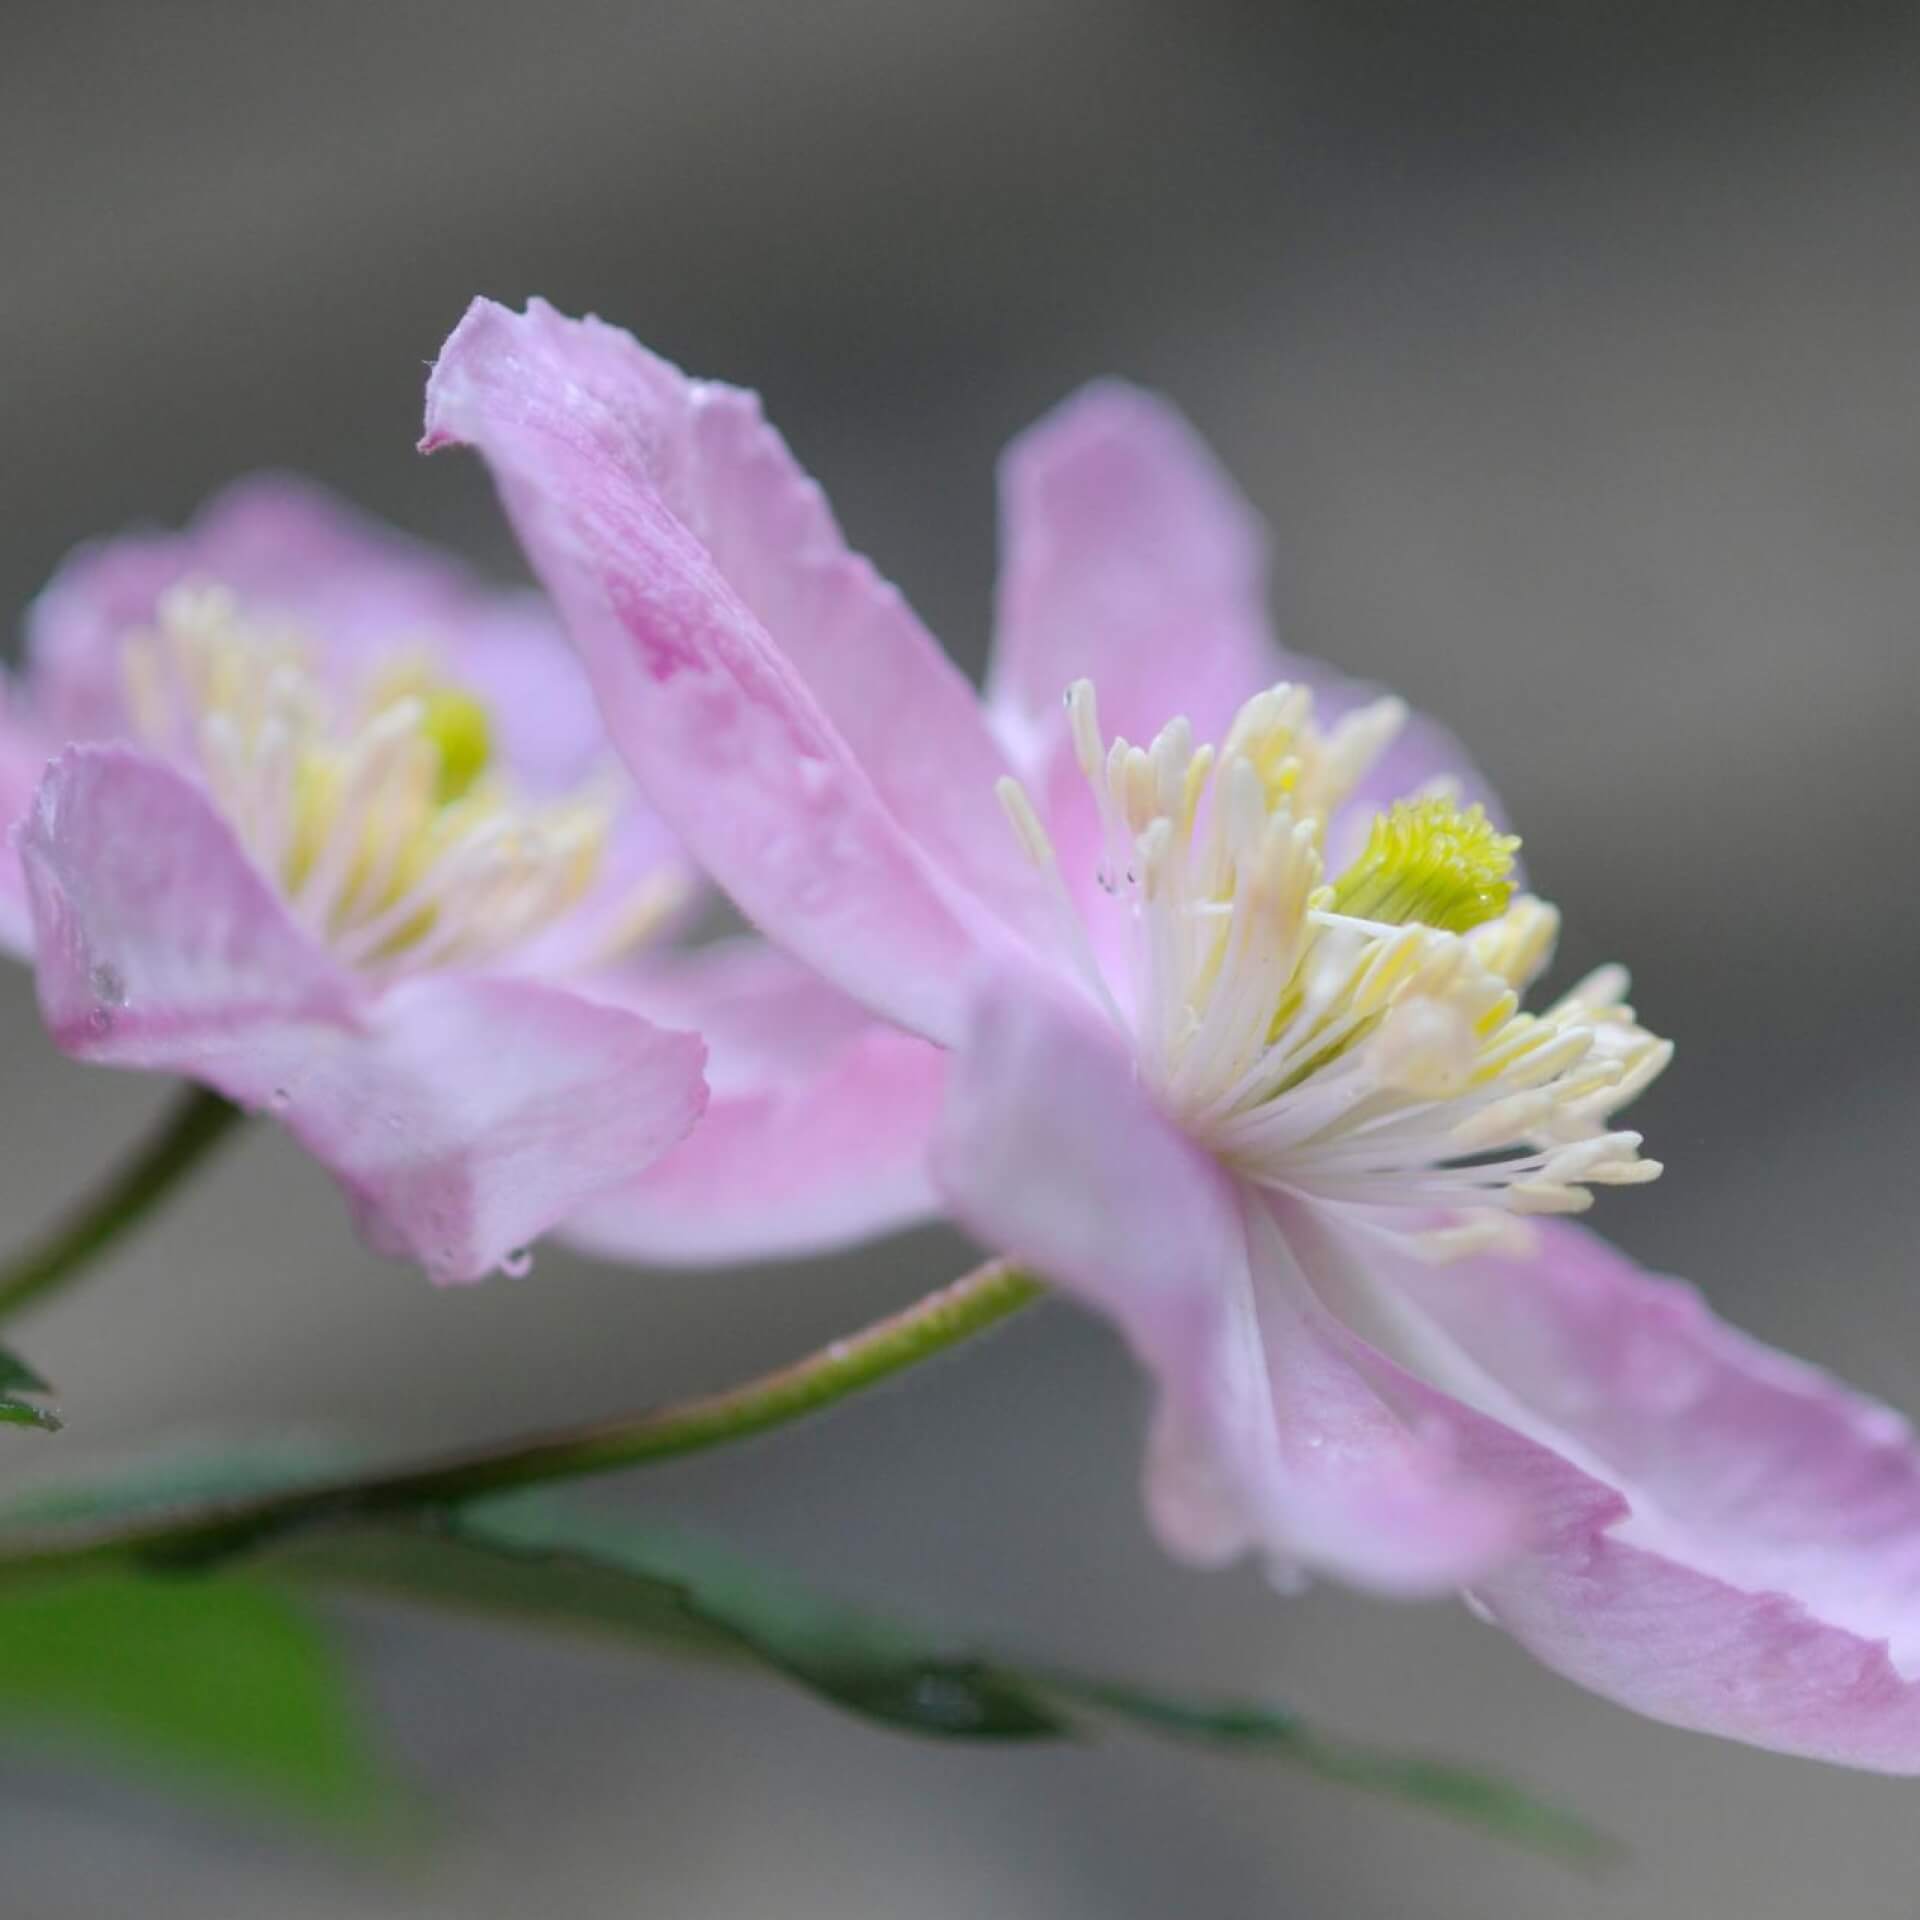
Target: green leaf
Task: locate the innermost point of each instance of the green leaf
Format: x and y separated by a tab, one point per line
222	1683
14	1372
191	1478
555	1566
548	1565
1444	1787
17	1377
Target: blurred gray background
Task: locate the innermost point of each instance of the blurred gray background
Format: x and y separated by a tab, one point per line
1570	351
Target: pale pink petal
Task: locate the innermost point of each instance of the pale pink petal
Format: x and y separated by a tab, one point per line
286	547
1654	1633
1128	558
358	591
362	597
509	652
778	702
817	1130
1394	1507
462	1116
1723	1537
473	1114
1265	1437
153	931
23	759
1131	559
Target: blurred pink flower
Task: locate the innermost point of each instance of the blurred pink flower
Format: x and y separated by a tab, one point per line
1233	1058
337	832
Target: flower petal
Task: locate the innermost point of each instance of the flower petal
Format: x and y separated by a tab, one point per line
358	591
778	701
23	759
1725	1538
159	945
1129	558
361	597
1049	1149
818	1128
154	934
1265	1437
286	547
456	1150
1394	1506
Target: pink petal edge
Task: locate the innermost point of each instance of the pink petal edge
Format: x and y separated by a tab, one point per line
1109	1200
817	1133
159	945
1128	557
1722	1536
775	699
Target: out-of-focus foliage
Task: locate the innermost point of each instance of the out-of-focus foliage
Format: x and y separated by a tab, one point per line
539	1561
226	1676
225	1684
16	1377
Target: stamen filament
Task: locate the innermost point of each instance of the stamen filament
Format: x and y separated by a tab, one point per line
1363	1041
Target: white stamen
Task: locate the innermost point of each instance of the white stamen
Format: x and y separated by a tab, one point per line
1322	1051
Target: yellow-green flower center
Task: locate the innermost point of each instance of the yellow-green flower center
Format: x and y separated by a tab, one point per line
1433	864
461	732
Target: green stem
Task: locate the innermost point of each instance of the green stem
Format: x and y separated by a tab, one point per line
196	1123
185	1536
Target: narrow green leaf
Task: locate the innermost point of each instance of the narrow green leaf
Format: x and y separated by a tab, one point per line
549	1565
16	1377
539	1562
14	1372
558	1567
220	1683
1444	1787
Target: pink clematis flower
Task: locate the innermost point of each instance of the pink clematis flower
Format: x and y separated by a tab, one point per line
335	831
1237	1050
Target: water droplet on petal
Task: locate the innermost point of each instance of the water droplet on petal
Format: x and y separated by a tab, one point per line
100	1022
109	985
279	1100
517	1264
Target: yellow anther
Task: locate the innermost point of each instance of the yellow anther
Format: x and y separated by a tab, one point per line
458	727
447	718
1430	863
